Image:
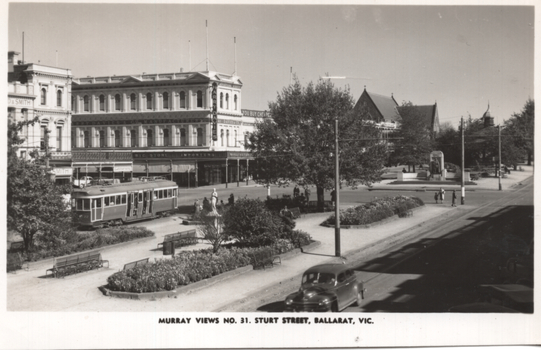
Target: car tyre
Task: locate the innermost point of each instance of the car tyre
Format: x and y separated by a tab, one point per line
334	307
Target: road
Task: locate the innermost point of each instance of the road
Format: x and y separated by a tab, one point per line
441	268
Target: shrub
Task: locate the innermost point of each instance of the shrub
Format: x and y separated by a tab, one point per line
277	204
14	262
377	210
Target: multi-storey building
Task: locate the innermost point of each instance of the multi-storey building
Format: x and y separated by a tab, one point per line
186	125
36	90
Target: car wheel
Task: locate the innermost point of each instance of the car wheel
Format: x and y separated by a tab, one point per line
334	307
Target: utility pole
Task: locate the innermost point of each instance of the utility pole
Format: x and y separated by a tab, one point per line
462	188
337	252
499	157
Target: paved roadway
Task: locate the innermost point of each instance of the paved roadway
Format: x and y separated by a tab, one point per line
441	268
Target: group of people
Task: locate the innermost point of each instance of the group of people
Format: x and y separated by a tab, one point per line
440	196
211	205
304	197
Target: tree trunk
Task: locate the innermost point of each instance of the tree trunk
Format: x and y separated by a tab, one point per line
320	199
413	167
529	157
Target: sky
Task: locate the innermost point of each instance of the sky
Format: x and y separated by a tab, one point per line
460	57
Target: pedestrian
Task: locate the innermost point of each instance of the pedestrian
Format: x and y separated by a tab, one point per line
307	194
436	196
231	199
454	199
296	191
404	170
442	195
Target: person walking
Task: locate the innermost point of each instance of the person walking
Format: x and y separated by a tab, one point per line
231	199
307	194
453	204
442	195
296	191
436	196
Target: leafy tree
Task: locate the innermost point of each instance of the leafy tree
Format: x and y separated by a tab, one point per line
521	129
34	203
449	141
415	138
212	230
298	142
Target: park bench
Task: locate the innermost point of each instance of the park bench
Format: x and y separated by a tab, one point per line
266	258
136	263
182	239
296	212
70	264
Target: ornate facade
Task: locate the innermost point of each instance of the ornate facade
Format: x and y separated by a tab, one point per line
42	91
162	124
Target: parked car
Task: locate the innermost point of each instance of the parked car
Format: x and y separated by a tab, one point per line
82	181
328	287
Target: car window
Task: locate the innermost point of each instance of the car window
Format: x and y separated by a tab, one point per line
341	277
318	278
349	273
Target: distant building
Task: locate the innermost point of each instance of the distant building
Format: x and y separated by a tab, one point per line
488	120
430	115
42	91
186	125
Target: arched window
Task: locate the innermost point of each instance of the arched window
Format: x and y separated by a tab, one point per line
117	102
133	102
200	136
226	101
43	138
150	138
227	137
86	139
149	101
59	98
199	99
117	138
102	138
102	103
166	100
133	138
222	137
43	96
221	100
182	100
86	104
183	141
235	101
166	137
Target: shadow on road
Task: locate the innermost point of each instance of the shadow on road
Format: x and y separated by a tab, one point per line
277	306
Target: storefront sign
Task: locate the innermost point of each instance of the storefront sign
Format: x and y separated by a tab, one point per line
254	114
63	171
121	168
19	102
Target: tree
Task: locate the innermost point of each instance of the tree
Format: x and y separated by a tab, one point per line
298	141
521	128
34	203
415	138
211	227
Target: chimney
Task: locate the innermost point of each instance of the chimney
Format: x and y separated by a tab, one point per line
12	60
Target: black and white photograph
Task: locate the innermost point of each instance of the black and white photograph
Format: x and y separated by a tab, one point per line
269	175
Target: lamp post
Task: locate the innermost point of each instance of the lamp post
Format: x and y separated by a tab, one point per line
337	252
499	157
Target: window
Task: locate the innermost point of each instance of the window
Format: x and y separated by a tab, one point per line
235	145
166	100
166	137
58	138
183	141
106	201
150	139
200	136
133	138
221	100
59	98
86	204
117	200
235	101
341	277
133	101
86	140
199	99
169	193
149	101
102	103
226	101
182	100
117	102
222	136
23	154
43	96
101	136
98	202
123	199
117	138
72	103
86	105
43	138
227	137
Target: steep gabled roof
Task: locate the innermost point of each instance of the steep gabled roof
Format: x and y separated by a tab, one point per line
429	114
385	106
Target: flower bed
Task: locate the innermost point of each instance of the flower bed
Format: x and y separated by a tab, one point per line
91	240
377	210
192	266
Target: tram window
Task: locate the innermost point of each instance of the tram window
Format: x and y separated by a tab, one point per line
112	200
174	192
118	199
161	194
86	204
123	199
98	202
79	204
140	196
155	194
106	201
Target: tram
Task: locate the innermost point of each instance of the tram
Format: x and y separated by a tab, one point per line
109	204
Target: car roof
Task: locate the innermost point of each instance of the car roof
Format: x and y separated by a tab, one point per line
328	268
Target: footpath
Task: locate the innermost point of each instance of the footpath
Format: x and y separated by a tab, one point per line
29	290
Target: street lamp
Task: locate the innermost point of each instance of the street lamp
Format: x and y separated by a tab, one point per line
337	192
499	157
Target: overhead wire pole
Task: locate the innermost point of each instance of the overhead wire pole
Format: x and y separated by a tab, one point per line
337	252
499	157
462	188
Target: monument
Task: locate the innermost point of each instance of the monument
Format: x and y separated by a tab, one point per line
437	166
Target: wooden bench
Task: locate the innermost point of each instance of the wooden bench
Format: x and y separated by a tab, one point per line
70	264
182	239
296	212
265	259
133	264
